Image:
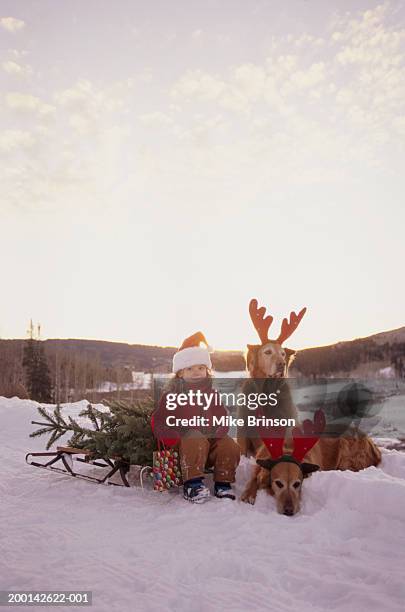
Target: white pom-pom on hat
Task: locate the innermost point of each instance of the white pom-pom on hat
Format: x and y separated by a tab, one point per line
191	353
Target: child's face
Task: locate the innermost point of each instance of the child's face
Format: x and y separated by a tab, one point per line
194	372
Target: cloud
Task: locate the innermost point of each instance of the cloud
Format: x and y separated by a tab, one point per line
11	24
370	39
204	87
28	103
203	131
11	140
17	69
305	79
88	106
198	84
328	102
306	40
76	159
249	80
17	53
248	83
370	51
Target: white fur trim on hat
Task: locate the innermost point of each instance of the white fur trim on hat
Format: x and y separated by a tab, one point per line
187	357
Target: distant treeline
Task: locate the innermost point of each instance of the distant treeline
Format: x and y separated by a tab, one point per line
72	371
78	366
345	357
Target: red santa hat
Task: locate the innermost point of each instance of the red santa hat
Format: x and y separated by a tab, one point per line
191	353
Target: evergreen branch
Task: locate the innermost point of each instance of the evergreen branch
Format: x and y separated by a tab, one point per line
43	412
40	432
51	439
54	437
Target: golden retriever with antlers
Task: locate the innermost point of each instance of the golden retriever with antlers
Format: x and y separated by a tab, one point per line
270	359
267	364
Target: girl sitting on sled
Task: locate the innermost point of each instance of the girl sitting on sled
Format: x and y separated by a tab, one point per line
200	446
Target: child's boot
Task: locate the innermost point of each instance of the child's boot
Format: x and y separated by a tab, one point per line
195	491
223	490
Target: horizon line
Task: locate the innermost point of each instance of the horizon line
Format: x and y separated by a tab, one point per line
222	350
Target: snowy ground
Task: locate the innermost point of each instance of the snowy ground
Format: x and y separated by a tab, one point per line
146	551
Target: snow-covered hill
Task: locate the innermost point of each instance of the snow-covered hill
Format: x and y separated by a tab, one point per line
144	551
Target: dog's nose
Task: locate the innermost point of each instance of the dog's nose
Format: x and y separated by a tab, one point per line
289	510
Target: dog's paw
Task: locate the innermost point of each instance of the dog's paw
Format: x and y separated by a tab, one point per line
248	497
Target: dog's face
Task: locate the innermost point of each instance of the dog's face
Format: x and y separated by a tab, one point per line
285	479
270	360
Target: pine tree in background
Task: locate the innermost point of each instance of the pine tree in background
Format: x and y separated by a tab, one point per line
37	373
122	430
43	386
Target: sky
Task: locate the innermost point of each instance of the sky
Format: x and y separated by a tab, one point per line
163	163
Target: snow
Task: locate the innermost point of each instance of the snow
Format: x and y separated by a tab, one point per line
140	380
143	380
145	551
387	372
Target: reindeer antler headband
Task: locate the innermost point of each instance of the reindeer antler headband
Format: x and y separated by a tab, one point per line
304	438
262	323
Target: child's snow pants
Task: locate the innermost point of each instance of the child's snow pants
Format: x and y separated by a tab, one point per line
198	452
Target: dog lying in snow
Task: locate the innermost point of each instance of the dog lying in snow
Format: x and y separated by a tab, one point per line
282	474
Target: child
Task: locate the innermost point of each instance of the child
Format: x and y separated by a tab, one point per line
192	370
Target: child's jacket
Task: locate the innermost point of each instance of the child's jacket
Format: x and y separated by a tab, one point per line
171	435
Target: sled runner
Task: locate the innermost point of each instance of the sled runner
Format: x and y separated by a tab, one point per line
164	476
65	455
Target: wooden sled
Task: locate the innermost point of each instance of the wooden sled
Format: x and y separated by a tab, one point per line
67	454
